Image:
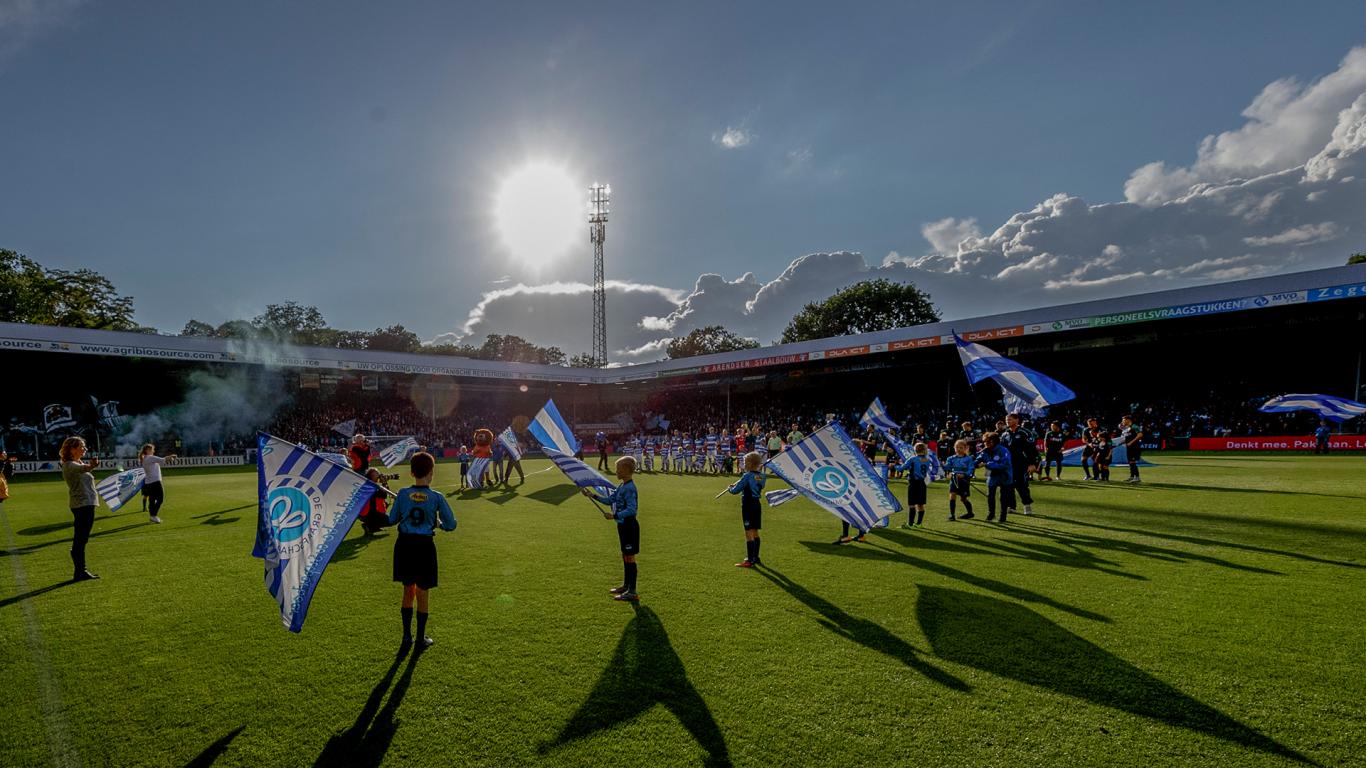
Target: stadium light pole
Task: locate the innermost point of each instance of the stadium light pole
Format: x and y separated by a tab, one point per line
599	205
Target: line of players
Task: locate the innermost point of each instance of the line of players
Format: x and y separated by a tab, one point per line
709	452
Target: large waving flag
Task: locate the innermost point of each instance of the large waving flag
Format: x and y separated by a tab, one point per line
829	469
478	468
307	504
398	452
579	473
509	440
877	416
552	431
118	488
1118	457
56	417
1330	407
1030	388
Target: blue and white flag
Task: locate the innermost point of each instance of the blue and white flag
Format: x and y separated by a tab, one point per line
118	488
877	416
57	417
905	450
829	469
478	468
552	431
579	473
1336	409
1119	456
336	458
1031	388
306	506
509	440
781	496
398	452
345	428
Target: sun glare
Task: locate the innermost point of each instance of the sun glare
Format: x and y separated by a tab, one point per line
540	213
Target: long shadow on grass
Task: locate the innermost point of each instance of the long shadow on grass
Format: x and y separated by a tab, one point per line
1014	642
874	551
555	494
1209	542
864	632
1334	531
214	751
351	548
34	593
368	738
35	547
645	670
1071	557
1226	489
223	512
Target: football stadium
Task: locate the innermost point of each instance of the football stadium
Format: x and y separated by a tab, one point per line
1208	614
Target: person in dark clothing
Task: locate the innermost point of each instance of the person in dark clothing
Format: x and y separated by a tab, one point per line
1000	477
601	441
1053	442
359	454
1024	459
1132	435
1321	436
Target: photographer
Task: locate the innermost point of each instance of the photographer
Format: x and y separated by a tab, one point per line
375	515
6	472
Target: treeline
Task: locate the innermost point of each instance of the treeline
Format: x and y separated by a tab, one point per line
83	298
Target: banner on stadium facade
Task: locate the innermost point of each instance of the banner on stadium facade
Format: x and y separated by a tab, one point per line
1277	443
31	467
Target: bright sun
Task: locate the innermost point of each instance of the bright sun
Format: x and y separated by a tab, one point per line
540	212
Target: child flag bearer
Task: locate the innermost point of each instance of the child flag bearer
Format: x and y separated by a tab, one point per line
624	502
750	487
960	467
417	512
918	468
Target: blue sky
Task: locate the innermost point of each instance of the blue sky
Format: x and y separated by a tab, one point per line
213	159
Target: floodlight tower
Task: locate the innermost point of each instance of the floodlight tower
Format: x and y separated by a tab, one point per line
599	204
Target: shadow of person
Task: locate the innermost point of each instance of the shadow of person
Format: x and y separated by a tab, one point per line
645	670
214	751
874	551
351	547
1012	641
862	631
367	740
30	548
34	593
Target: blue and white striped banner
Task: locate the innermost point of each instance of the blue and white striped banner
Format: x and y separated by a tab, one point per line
398	452
475	475
781	496
905	450
877	416
339	459
509	440
1336	409
1033	389
552	431
306	506
579	473
829	469
118	488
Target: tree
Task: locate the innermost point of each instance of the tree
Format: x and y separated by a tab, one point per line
872	305
235	329
708	340
515	349
395	338
1356	258
450	350
197	328
583	360
81	298
290	321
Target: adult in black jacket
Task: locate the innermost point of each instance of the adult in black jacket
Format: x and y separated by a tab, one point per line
1024	456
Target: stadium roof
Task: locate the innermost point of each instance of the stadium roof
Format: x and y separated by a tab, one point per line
1236	296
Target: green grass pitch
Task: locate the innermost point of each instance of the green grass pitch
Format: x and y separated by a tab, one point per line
1215	615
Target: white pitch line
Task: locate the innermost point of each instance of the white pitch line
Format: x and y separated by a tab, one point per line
49	697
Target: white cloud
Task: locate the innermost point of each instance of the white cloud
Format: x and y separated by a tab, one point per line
945	235
734	137
1287	123
1303	235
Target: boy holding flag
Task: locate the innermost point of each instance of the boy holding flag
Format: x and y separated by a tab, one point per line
417	512
623	504
750	488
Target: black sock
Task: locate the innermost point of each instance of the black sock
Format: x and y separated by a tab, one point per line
749	550
407	621
421	624
756	550
920	517
967	506
630	577
953	507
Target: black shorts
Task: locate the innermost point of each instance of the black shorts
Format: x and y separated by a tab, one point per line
751	514
915	492
415	560
1052	457
1135	453
628	533
961	486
